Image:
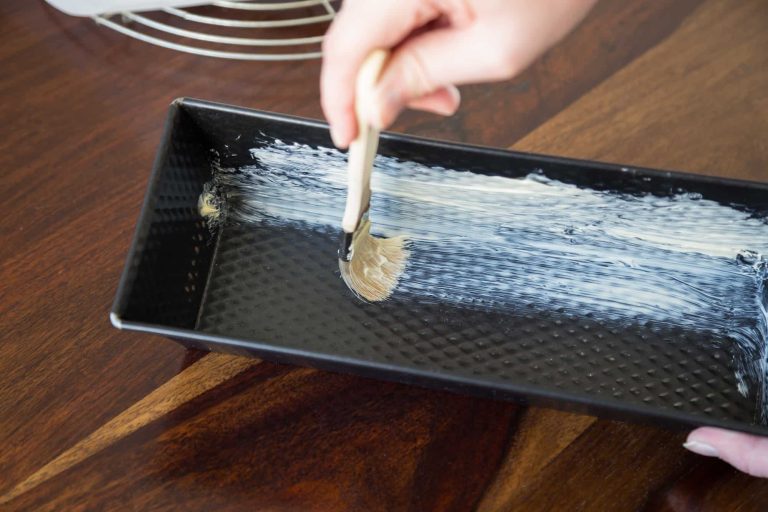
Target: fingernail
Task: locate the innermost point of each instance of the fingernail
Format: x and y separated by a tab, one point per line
337	139
455	94
447	111
373	111
384	102
704	449
375	121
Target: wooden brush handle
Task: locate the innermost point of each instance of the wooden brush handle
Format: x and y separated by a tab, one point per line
362	150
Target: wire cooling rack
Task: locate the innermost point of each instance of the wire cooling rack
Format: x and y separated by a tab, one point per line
225	28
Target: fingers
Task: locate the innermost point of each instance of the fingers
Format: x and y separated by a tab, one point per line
435	44
359	28
745	452
444	101
431	62
494	42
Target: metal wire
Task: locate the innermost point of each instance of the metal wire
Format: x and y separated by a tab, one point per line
121	22
226	22
219	39
252	6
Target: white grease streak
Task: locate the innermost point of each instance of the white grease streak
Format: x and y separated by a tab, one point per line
495	242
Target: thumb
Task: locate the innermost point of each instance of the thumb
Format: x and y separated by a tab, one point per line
745	452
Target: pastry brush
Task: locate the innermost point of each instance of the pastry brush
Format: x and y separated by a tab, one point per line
370	266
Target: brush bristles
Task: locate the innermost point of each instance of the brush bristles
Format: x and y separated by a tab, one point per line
376	264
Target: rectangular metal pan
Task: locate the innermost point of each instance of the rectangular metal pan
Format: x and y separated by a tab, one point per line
272	290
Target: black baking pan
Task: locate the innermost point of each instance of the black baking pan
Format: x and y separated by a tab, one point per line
273	290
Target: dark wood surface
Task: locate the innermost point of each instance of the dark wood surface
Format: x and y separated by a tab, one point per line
92	418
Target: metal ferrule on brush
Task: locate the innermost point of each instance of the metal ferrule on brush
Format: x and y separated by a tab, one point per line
346	246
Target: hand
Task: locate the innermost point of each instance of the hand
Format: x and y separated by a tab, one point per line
436	45
745	452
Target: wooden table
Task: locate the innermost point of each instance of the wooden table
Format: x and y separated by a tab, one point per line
92	418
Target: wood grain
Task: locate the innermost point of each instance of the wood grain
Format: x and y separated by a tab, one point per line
296	439
682	94
92	418
204	375
540	437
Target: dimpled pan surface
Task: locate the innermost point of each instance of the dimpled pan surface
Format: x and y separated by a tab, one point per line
600	288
